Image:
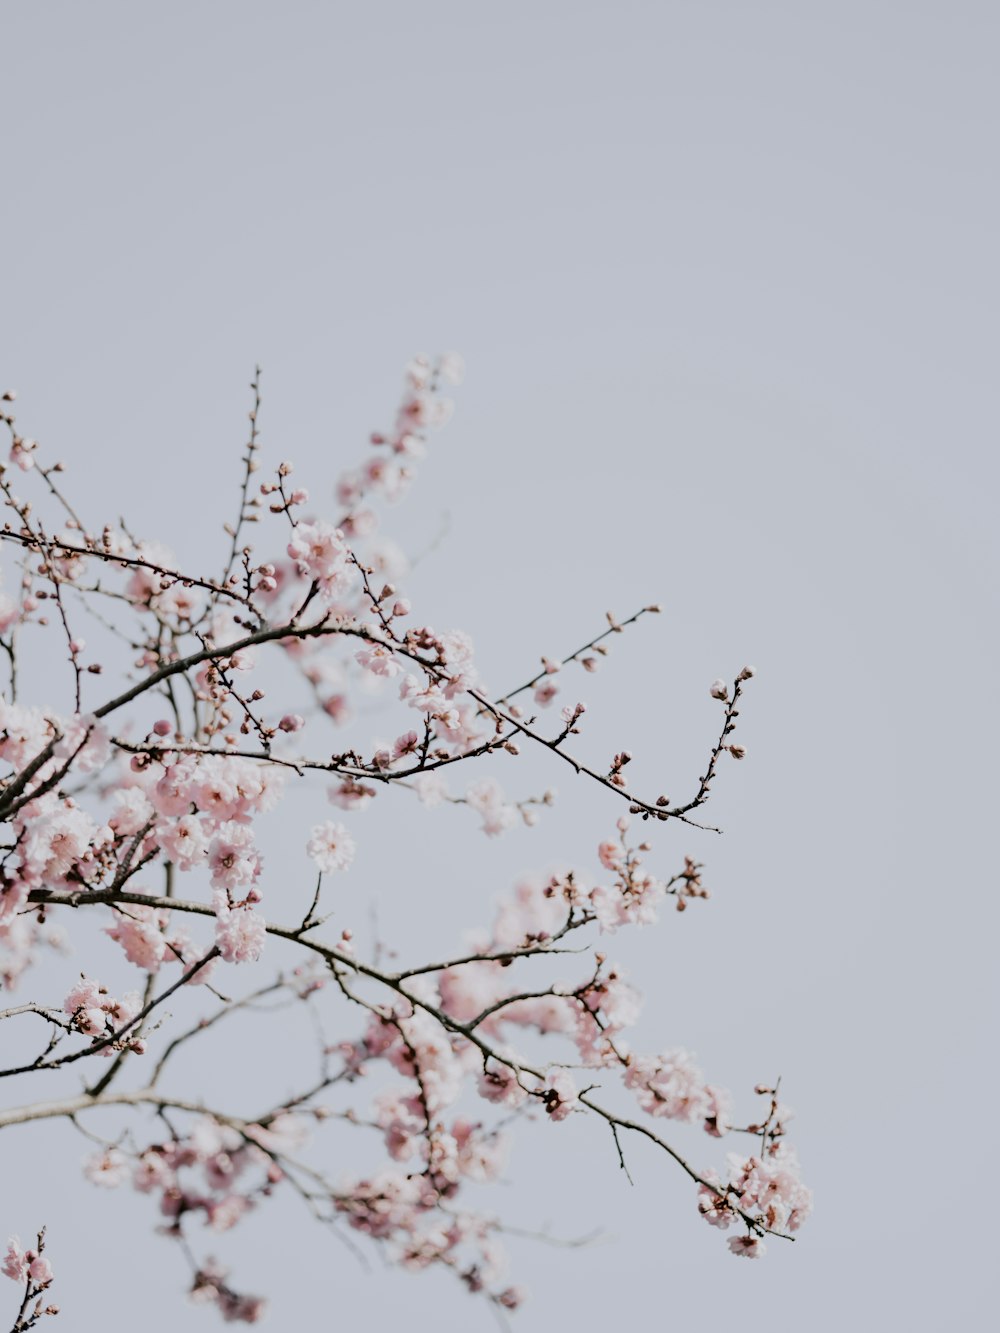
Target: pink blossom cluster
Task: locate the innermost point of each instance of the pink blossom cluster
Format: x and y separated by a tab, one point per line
216	1172
672	1085
320	554
400	1211
766	1190
22	1265
239	930
391	470
95	1013
225	698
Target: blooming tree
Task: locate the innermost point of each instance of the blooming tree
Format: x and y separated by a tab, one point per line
135	808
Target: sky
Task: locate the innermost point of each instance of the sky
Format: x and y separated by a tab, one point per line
725	280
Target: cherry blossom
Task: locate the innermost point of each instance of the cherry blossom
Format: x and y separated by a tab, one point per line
233	859
331	847
560	1094
139	930
204	713
239	932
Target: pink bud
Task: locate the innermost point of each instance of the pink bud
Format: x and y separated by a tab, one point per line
40	1270
292	722
162	727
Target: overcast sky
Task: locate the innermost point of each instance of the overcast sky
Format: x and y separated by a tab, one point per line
725	278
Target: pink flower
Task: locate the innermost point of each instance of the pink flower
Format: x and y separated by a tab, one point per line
10	612
184	842
239	932
95	1013
108	1168
671	1085
545	691
530	913
15	1263
226	1212
407	743
21	456
771	1188
23	732
41	1271
319	553
750	1247
427	697
633	899
178	602
59	835
215	791
350	795
719	1111
175	791
498	1083
152	1171
232	857
378	659
139	930
610	855
331	847
85	740
337	708
84	1003
133	811
560	1095
713	1206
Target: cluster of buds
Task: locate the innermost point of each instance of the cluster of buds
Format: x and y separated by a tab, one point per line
617	764
687	884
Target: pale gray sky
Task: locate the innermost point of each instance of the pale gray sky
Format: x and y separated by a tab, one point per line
725	278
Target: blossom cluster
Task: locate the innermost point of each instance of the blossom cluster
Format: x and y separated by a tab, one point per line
148	804
22	1265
